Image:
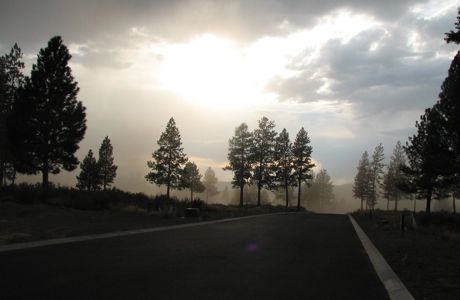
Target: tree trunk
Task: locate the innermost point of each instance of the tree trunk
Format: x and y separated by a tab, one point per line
167	191
362	200
191	195
415	204
259	187
298	195
241	194
2	173
428	201
453	203
388	204
396	203
287	196
45	182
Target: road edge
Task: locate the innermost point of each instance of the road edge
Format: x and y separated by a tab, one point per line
394	286
42	243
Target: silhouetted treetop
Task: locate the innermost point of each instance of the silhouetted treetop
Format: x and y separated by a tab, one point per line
454	36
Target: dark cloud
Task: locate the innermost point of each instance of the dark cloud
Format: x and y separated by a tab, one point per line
393	76
32	23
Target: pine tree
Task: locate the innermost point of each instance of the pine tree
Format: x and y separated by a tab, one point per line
449	108
301	151
209	182
108	169
11	80
239	158
168	159
283	164
454	36
262	155
361	183
426	158
375	175
90	175
394	176
191	179
47	120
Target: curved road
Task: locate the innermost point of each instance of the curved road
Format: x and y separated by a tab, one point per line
284	256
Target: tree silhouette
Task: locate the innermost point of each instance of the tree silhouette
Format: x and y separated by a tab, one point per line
425	156
209	182
106	166
90	178
11	79
301	151
262	155
283	164
375	175
168	159
239	158
454	36
449	108
47	120
191	179
394	176
361	183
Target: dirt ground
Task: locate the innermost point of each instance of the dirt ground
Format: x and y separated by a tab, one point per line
427	259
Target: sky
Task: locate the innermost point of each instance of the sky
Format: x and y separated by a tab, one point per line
353	73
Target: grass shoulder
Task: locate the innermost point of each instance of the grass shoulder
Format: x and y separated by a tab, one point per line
424	253
25	216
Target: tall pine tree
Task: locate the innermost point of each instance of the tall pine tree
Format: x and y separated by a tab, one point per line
361	183
375	176
449	108
262	155
394	176
283	164
168	159
106	165
301	151
426	158
11	80
90	178
47	121
239	158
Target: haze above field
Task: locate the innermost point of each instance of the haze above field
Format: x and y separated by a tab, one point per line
353	73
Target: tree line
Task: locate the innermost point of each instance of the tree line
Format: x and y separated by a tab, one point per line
372	180
428	166
42	123
261	157
269	160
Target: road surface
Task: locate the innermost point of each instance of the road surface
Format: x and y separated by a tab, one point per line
284	256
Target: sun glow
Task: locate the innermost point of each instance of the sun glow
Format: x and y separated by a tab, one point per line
214	72
211	72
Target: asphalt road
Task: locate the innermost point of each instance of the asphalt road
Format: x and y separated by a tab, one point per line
290	256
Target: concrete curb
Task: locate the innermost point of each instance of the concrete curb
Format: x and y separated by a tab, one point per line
394	286
43	243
